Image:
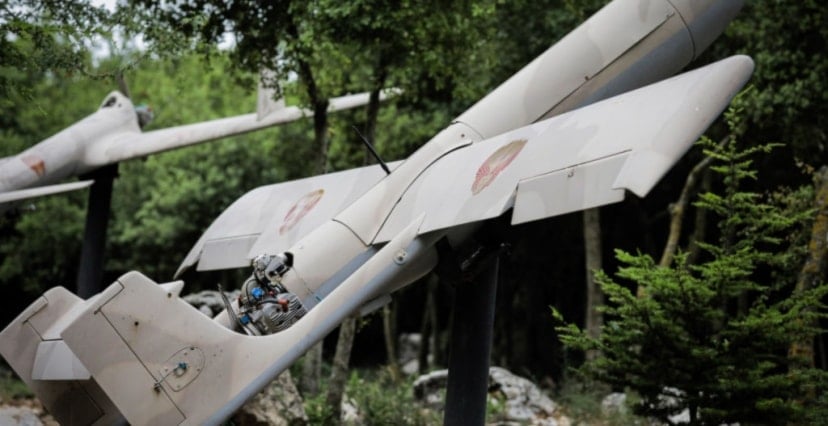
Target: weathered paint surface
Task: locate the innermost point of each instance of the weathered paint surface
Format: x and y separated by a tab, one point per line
112	134
358	235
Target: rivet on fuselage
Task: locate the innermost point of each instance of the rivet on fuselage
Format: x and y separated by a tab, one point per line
399	258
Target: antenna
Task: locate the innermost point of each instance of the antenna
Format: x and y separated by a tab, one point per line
373	151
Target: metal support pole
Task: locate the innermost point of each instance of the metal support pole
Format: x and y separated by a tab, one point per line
90	273
471	347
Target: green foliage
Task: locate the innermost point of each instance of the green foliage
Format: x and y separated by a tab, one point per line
787	40
583	404
283	37
317	410
715	336
164	202
378	400
444	63
54	39
11	387
40	242
396	40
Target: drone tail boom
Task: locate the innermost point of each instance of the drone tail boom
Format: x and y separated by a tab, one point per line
138	352
34	349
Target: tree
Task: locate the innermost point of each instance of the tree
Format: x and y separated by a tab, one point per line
401	47
594	297
814	268
688	339
163	203
56	39
787	39
40	241
322	43
279	39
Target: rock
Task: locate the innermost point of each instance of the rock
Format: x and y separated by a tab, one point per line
408	345
210	301
350	412
25	412
614	403
19	416
522	401
669	400
430	389
409	348
204	309
278	404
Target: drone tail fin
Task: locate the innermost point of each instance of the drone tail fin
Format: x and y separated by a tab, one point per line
32	346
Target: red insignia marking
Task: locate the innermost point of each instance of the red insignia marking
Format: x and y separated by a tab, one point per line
496	163
35	163
299	209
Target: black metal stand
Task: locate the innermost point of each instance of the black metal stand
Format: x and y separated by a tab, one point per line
90	272
471	346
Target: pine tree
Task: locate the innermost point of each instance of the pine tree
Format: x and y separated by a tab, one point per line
713	337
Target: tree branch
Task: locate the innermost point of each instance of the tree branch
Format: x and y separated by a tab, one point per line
678	208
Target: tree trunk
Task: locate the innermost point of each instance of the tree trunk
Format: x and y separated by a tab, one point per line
320	134
312	366
816	264
699	225
437	341
595	298
311	371
428	329
441	352
389	329
347	330
339	370
677	210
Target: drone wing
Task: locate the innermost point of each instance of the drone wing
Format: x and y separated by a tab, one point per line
578	160
22	194
272	217
128	145
585	158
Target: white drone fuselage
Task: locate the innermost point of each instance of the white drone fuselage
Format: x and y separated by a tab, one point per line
112	134
552	139
64	154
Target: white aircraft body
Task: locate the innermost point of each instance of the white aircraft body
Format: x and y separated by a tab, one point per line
574	129
113	134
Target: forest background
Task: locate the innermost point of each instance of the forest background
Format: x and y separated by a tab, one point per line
58	60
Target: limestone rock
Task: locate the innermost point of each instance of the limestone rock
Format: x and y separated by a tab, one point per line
524	400
24	412
430	389
209	301
278	404
408	345
19	416
614	403
521	400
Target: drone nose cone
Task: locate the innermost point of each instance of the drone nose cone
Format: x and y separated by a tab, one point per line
706	19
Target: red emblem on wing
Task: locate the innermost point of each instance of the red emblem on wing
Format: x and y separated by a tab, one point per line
496	163
35	163
299	209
